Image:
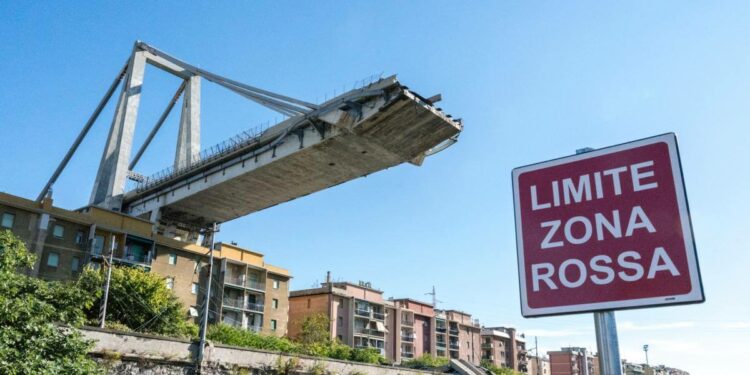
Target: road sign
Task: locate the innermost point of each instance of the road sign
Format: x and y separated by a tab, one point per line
604	230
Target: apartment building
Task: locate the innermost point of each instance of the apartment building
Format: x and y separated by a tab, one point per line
461	333
64	241
572	361
538	366
416	327
359	315
504	347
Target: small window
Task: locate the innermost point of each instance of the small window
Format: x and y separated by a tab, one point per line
308	303
194	288
53	259
172	259
273	324
75	264
170	282
275	304
276	284
8	220
58	231
341	321
79	237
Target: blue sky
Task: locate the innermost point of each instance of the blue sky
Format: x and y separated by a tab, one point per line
531	81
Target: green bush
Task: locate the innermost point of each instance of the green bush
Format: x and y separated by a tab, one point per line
139	300
226	334
426	361
498	370
31	341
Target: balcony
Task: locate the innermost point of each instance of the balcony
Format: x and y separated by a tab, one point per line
237	303
362	312
454	331
440	329
406	354
440	345
378	315
487	345
369	332
242	282
257	307
407	322
454	346
407	338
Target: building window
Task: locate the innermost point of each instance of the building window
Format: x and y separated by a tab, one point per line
276	284
170	282
194	288
79	237
341	338
53	259
75	264
172	259
275	303
273	324
341	321
308	303
8	220
58	231
98	245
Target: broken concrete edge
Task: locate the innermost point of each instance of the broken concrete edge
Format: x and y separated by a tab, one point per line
188	355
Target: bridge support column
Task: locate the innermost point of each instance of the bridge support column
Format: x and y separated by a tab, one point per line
189	137
110	179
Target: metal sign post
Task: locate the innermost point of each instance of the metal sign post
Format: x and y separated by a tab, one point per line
607	343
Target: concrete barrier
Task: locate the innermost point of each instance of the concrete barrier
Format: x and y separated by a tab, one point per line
127	352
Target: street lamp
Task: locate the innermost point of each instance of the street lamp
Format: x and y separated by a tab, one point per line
645	350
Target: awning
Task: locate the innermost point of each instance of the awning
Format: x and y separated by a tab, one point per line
380	327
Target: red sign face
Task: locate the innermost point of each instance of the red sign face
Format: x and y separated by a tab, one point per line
607	229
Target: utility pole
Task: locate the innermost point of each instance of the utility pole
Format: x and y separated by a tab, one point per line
108	263
207	298
538	363
434	297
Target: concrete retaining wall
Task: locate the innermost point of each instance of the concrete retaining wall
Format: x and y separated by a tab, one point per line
127	353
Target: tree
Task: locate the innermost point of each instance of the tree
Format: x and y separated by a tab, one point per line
33	338
315	329
139	300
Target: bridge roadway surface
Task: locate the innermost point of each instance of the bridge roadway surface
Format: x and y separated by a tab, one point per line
355	134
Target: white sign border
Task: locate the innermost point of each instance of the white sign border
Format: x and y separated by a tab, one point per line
695	295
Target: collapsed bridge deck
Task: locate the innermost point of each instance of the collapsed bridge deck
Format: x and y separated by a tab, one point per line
355	134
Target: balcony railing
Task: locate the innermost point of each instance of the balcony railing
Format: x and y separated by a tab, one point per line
487	345
378	315
440	344
258	307
234	302
244	282
362	312
440	329
407	338
407	322
454	346
407	354
454	331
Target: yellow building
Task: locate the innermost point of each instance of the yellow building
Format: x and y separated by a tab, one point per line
246	291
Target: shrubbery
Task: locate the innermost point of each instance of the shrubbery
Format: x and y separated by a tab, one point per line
498	370
314	341
138	300
31	312
426	362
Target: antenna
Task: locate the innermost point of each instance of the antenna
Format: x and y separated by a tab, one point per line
435	301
